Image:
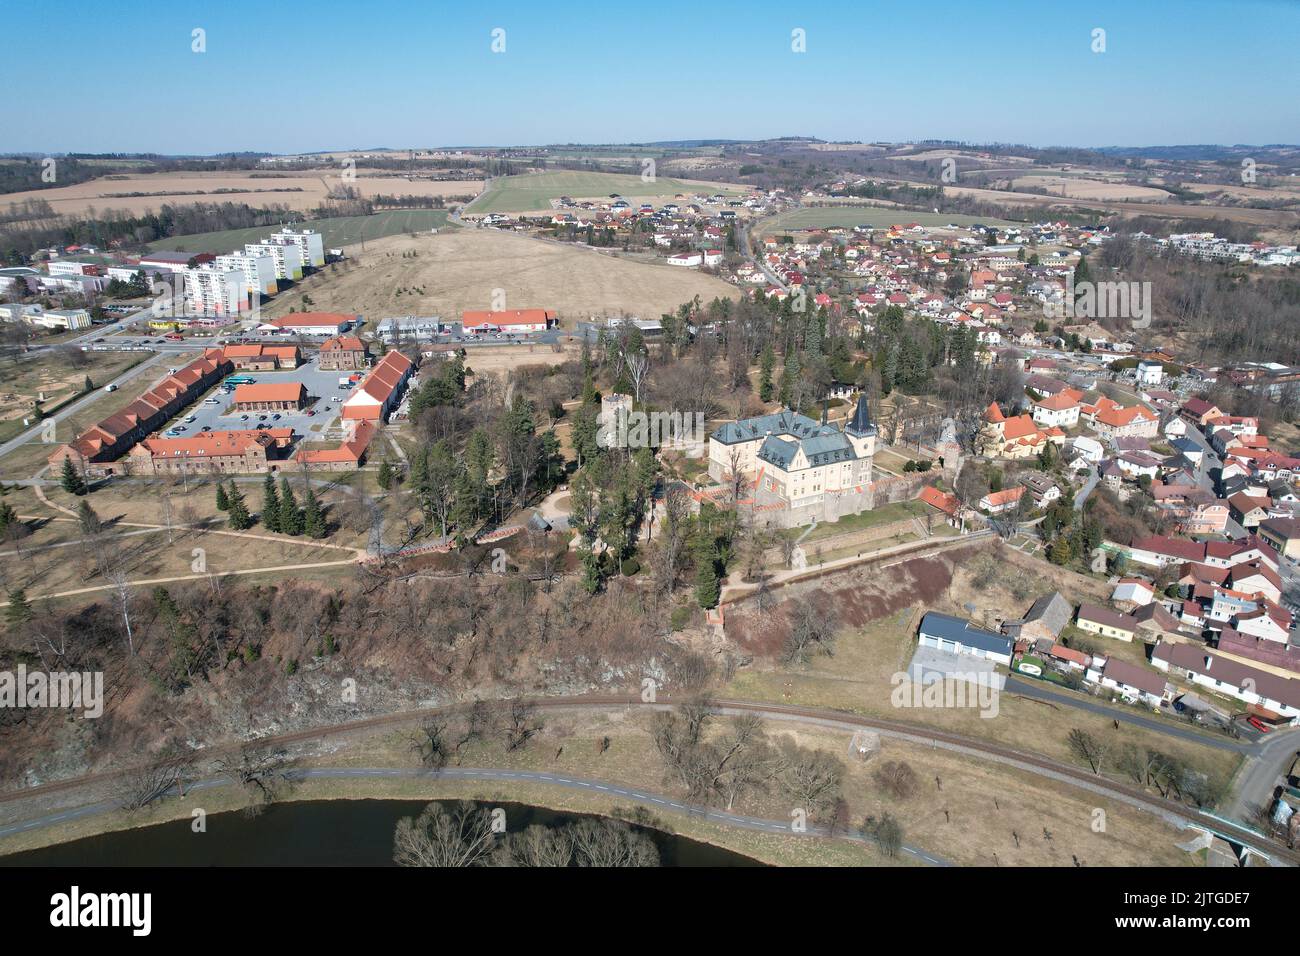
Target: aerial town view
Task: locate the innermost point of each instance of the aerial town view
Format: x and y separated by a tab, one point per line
629	438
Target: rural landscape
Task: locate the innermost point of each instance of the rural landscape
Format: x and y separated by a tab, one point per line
657	486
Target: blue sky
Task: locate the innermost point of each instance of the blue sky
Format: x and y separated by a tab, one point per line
94	76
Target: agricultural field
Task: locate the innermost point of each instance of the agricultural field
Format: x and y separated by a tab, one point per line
848	216
339	231
533	192
461	269
141	192
1078	188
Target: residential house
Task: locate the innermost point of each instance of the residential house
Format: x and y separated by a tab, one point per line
958	636
1099	620
1135	684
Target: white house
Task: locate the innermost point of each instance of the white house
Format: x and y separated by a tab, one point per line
957	636
1231	677
1135	684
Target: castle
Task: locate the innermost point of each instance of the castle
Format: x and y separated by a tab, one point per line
799	469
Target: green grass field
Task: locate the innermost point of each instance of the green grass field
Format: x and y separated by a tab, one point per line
340	231
819	217
533	192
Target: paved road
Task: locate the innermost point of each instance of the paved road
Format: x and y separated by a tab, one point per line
1082	495
1262	772
653	800
1039	690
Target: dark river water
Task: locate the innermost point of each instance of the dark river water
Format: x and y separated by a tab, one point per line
309	833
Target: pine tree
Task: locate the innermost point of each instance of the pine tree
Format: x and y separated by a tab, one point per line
90	523
385	477
7	516
19	611
239	518
223	503
313	518
270	505
707	589
290	516
766	365
70	479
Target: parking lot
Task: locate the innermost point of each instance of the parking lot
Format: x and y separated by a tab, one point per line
316	421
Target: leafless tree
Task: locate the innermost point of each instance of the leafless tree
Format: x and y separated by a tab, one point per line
461	836
260	773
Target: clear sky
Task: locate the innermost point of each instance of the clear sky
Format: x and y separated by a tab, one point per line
86	75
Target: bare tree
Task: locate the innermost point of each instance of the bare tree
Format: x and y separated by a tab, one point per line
440	838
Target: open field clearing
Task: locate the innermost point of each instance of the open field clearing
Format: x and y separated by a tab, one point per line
533	192
53	378
335	232
138	193
1092	189
460	269
1281	222
848	216
1246	193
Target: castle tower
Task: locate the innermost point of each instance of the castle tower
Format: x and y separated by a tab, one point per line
861	432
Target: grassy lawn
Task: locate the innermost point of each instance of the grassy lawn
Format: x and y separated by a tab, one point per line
338	231
886	514
531	192
56	378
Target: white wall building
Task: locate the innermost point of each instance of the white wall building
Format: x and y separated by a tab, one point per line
210	290
310	243
287	256
258	271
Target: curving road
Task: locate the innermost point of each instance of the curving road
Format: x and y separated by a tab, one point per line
655	800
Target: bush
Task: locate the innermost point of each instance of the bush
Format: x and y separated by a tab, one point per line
630	567
681	616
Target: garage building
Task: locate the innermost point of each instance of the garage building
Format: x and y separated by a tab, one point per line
943	632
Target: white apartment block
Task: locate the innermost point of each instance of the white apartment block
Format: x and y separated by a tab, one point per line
210	290
311	244
258	270
287	256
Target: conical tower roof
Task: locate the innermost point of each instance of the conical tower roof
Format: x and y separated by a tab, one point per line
861	424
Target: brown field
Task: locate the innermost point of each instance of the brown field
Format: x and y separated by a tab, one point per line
54	377
1091	189
460	269
298	191
1278	221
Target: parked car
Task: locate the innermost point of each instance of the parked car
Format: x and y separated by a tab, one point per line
275	417
1259	725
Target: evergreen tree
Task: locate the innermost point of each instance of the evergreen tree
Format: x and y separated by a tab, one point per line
70	479
385	476
313	517
237	511
223	502
19	611
7	516
270	505
90	523
591	573
290	517
707	584
765	368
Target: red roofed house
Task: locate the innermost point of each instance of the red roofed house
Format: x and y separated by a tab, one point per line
310	323
945	502
1060	410
343	353
512	320
211	452
97	448
263	357
1111	421
381	390
346	457
1015	437
996	502
270	396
